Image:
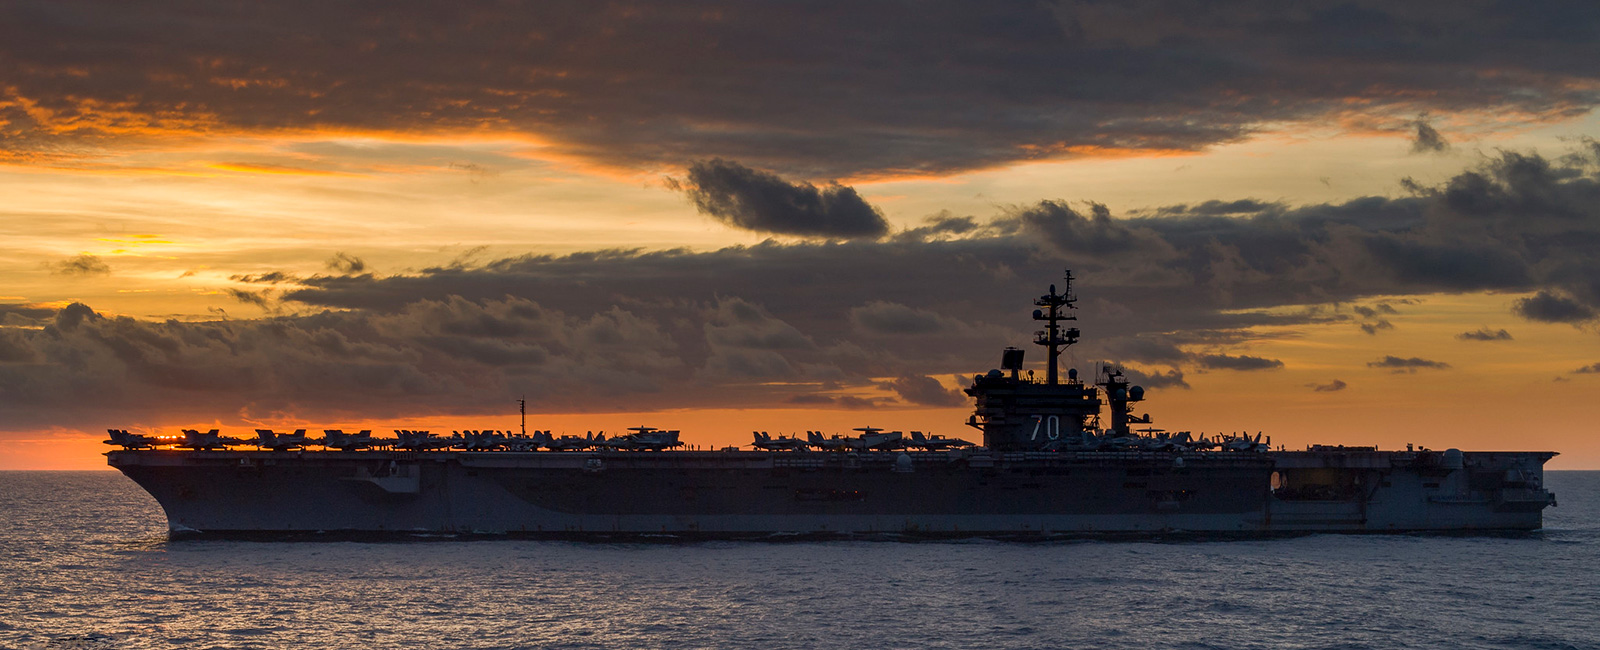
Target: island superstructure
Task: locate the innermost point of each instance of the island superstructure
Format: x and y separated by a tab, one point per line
1049	465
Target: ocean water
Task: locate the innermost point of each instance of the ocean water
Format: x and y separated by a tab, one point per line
84	563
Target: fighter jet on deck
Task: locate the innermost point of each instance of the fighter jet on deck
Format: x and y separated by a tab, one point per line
524	442
935	442
338	439
193	439
126	440
765	441
269	439
472	440
1245	443
409	440
835	443
566	443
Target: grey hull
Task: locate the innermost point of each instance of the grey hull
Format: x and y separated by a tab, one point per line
743	494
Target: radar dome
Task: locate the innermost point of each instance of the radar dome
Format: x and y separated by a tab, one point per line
994	373
1452	459
1136	393
1072	373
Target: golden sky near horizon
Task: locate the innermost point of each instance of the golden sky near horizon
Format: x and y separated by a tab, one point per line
726	226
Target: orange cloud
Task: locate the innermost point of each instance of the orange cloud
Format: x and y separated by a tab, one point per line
136	240
269	168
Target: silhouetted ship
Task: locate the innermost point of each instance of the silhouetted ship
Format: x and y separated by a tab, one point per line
1048	466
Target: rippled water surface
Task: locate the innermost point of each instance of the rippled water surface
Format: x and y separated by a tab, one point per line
84	563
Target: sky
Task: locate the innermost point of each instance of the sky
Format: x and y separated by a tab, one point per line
1331	222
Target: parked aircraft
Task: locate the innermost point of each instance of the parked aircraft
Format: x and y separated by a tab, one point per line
642	438
126	440
873	438
1153	440
269	439
1127	441
193	439
835	443
1245	443
935	442
780	443
567	443
471	440
419	440
338	439
524	442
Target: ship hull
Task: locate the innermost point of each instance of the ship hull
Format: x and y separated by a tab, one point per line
756	494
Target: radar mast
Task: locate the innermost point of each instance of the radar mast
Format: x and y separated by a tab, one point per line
1054	336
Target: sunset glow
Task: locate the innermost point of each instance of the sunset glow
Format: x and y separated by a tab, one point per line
745	219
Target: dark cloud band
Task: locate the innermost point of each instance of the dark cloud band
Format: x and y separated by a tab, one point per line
762	202
816	90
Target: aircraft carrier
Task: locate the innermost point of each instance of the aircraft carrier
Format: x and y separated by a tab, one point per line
1049	465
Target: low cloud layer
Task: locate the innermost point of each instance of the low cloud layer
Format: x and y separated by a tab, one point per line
1330	387
1242	362
1485	334
925	391
84	264
859	323
1410	364
1552	307
1427	139
762	202
346	263
815	90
